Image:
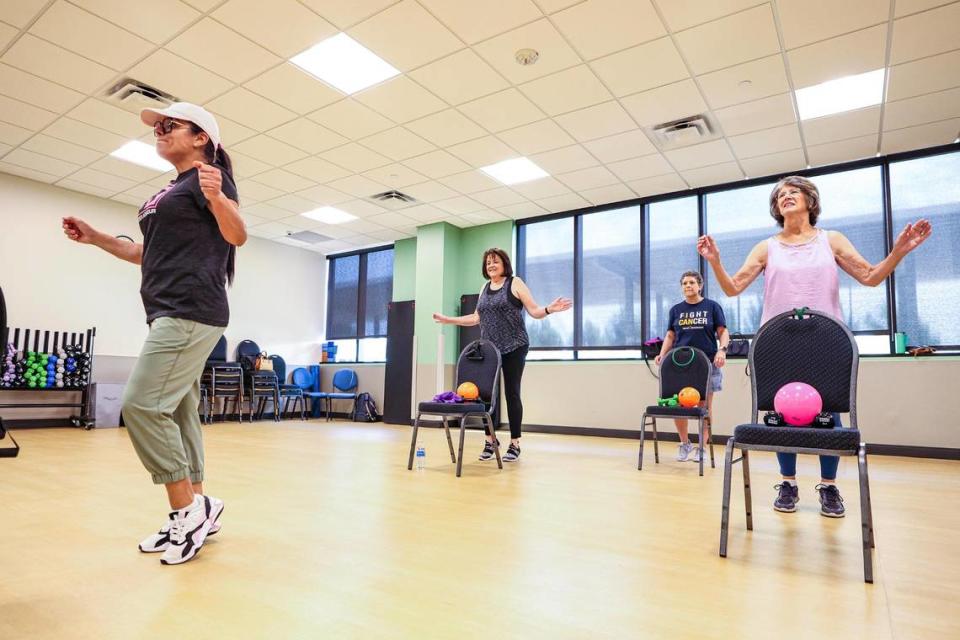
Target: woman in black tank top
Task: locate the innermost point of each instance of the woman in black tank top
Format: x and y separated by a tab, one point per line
500	316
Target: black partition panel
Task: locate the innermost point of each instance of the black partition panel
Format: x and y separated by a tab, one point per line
468	304
398	378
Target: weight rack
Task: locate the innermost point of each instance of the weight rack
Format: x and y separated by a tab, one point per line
81	339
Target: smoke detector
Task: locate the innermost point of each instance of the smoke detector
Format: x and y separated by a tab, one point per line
683	132
526	57
133	95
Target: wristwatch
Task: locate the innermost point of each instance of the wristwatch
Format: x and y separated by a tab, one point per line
724	349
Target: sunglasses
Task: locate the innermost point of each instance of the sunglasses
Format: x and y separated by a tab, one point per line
166	126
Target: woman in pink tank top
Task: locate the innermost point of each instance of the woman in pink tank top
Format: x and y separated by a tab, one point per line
799	267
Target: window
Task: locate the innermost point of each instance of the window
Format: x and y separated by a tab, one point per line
672	232
359	288
547	269
927	291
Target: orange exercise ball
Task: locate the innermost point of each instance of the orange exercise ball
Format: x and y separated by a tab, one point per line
468	391
688	397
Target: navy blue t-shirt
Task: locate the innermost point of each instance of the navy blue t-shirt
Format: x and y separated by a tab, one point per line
695	325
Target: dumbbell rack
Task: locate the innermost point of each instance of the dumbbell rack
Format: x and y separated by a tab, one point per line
81	339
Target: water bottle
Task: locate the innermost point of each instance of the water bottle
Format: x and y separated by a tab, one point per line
421	458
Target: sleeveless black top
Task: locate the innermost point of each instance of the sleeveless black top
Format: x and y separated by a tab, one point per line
501	318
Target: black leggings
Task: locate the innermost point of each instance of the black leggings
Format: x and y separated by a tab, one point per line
512	367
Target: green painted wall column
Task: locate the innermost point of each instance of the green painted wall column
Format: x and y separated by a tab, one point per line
437	289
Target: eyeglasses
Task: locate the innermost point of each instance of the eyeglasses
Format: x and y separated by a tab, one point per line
167	125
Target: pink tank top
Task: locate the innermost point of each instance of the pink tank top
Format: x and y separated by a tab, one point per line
803	275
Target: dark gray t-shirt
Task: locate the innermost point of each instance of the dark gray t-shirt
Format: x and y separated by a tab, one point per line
184	267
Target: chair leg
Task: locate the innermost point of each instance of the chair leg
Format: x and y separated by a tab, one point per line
446	428
488	422
276	405
463	429
303	408
710	442
700	443
656	445
643	429
866	517
747	496
725	506
413	442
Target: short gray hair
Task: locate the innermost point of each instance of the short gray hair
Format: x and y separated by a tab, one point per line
810	193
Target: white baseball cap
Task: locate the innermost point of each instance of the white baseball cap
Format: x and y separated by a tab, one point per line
185	111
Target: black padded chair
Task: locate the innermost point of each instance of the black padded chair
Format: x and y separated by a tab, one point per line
681	367
479	362
288	392
811	347
263	387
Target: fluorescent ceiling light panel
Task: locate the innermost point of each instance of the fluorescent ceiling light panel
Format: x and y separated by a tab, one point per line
344	63
843	94
142	154
514	171
329	215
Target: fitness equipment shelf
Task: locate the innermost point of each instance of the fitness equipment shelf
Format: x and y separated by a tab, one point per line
20	338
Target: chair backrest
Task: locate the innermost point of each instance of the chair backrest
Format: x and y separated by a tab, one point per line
247	352
280	367
302	378
808	347
345	380
685	367
479	363
219	353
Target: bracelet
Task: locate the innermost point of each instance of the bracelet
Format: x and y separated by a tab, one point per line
546	310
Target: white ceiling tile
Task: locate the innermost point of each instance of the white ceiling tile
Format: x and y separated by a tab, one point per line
841	126
542	188
324	195
395	175
642	167
845	55
361	208
74	185
251	220
122	168
842	151
621	146
745	82
446	128
459	77
391	235
714	174
459	205
437	164
182	79
430	191
588	178
215	47
483	217
721	43
355	157
76	30
232	132
655	185
932	107
28	88
406	36
775	163
17	170
522	210
85	135
564	202
482	151
598	121
266	211
250	110
286	29
253	191
108	117
24	115
599	27
566	91
476	21
127	199
141	192
806	21
244	165
919	137
924	76
7	34
270	230
294	89
759	114
925	34
610	193
284	180
346	13
536	137
307	135
683	14
397	143
564	160
906	7
49	61
294	204
665	104
541	36
61	149
504	110
646	66
760	143
552	6
457	221
499	197
13	135
362	226
469	182
102	180
164	19
392	220
400	99
351	119
21	13
425	213
40	162
268	150
358	186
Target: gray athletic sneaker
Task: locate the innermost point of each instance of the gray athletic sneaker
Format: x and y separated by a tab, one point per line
513	452
788	498
488	453
683	453
831	504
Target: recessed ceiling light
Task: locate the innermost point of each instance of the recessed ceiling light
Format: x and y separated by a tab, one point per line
344	63
842	94
142	154
514	171
329	215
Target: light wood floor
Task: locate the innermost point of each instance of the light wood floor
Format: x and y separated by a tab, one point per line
327	535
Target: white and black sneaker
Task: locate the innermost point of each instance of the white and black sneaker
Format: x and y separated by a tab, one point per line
488	452
159	541
513	452
189	528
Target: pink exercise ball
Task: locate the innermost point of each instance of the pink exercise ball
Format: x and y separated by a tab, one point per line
798	403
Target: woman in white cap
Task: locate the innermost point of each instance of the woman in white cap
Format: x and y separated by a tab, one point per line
191	229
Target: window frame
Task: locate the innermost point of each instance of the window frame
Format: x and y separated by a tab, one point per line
361	297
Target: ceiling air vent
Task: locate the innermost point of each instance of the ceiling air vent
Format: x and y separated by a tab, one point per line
308	237
684	132
392	195
132	95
